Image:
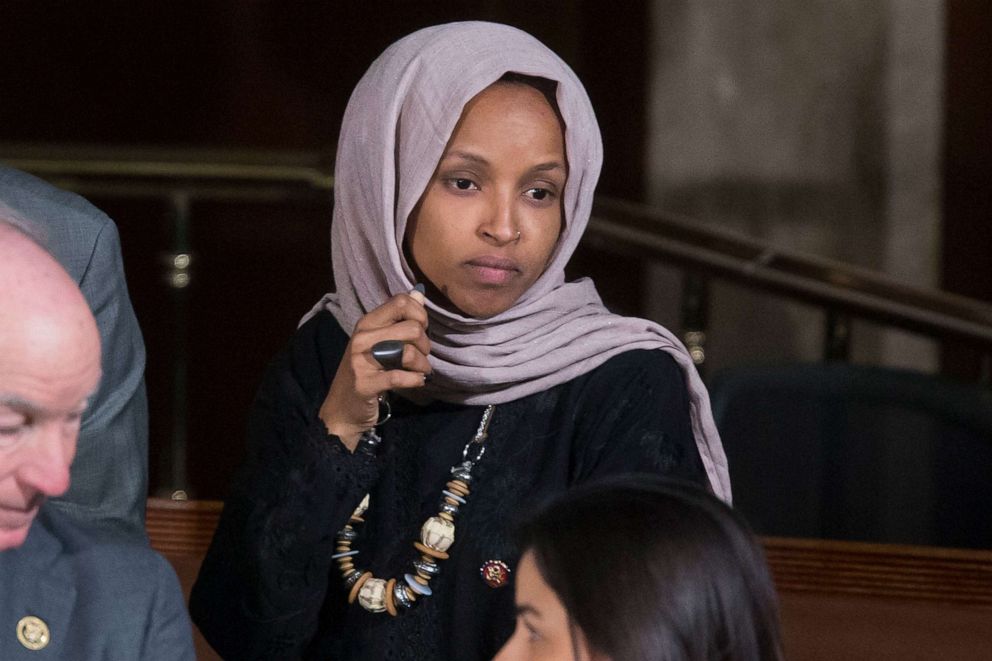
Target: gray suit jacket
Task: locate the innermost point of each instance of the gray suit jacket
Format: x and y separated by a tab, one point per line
100	598
110	473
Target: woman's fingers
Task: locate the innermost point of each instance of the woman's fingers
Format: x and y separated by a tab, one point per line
402	318
371	379
408	331
399	308
351	405
394	380
415	359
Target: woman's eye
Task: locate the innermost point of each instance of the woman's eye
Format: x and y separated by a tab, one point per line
540	194
461	183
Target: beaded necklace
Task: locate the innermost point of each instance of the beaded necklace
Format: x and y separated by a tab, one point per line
377	595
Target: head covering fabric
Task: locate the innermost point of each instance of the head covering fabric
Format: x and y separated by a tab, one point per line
395	129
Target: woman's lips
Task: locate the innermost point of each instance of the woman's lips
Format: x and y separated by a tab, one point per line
490	270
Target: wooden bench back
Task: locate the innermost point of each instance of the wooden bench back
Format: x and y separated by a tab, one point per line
840	600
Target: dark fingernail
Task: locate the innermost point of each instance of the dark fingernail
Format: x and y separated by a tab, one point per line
420	287
428	378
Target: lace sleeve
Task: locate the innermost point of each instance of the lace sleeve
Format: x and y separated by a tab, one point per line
263	581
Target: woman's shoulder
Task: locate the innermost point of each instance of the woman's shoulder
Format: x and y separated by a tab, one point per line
321	326
652	367
644	373
309	359
320	337
632	414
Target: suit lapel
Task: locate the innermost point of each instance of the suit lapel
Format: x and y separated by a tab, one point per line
38	580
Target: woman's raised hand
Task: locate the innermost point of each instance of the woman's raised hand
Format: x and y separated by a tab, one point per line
352	404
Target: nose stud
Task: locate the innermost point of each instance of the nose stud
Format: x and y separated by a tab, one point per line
518	236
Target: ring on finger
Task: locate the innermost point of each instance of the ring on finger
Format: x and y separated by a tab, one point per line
389	354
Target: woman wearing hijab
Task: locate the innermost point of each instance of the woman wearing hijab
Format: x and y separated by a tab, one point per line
691	584
395	441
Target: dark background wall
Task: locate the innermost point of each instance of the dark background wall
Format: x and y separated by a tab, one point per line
967	236
261	73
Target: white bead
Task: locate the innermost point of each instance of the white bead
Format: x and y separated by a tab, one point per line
437	533
372	595
362	506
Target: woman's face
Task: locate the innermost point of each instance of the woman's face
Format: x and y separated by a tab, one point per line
490	217
544	631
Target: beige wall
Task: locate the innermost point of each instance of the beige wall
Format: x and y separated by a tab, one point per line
814	125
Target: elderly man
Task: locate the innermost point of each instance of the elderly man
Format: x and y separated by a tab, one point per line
66	590
110	474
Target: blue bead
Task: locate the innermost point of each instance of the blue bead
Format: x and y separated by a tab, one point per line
417	587
343	554
453	495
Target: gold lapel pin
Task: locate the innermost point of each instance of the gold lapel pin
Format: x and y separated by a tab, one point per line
32	632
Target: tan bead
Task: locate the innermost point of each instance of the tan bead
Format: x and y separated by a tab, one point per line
358	586
372	596
451	501
447	517
423	580
341	548
437	533
346	566
428	551
356	519
459	487
390	604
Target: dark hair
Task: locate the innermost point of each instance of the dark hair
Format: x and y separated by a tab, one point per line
547	87
654	569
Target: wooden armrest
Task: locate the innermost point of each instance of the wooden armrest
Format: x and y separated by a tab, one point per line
181	526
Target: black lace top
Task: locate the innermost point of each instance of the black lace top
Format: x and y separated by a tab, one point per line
268	588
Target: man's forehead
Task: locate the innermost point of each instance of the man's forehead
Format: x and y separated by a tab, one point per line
50	394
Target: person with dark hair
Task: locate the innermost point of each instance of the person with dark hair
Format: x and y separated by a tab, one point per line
452	380
639	567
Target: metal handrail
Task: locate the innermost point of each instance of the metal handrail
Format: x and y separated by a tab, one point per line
152	172
646	232
616	226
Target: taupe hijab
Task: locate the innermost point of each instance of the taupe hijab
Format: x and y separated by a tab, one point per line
395	129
